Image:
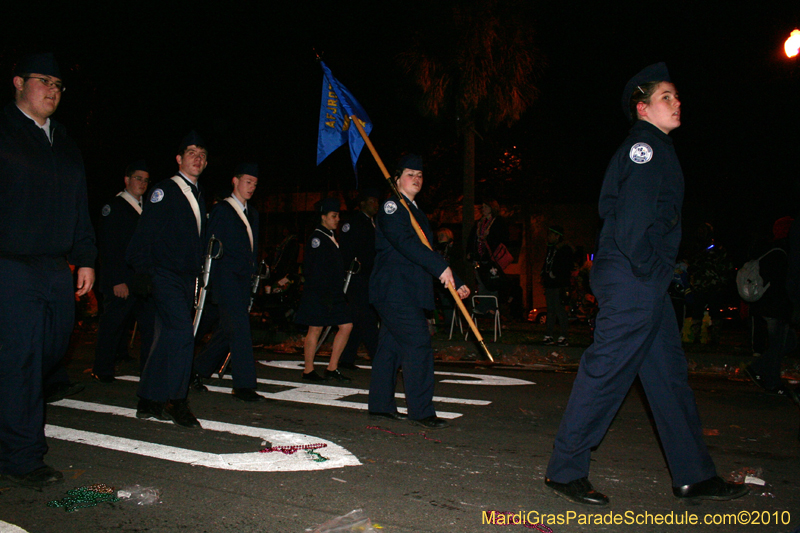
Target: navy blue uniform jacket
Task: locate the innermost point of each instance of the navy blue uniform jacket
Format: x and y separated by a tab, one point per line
43	193
323	302
166	236
404	267
641	200
237	258
117	227
357	240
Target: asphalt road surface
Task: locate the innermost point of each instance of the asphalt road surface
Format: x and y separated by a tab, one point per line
490	461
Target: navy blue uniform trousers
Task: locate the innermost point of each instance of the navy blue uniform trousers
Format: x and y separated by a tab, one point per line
42	304
232	333
365	321
116	312
405	341
636	334
169	366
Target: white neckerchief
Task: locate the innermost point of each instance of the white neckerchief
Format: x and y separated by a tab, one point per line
237	206
187	192
128	197
331	237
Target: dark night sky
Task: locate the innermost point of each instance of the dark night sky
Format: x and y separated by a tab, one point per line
139	78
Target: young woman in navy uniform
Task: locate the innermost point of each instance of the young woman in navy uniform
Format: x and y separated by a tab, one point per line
636	334
323	302
401	289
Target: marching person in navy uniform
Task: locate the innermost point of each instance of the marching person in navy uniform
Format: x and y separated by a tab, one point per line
636	333
401	289
118	223
234	221
357	241
323	302
166	253
44	228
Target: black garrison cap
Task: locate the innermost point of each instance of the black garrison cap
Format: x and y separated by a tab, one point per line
192	138
139	164
247	168
654	72
363	194
38	64
329	204
412	161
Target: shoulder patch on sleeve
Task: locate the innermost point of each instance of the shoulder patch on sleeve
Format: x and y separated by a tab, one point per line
106	210
315	242
641	153
389	207
346	228
157	196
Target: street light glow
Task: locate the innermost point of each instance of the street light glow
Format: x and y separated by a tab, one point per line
792	44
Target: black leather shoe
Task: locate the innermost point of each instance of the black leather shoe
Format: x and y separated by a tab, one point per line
150	409
714	488
578	491
38	479
103	379
60	391
178	411
348	366
390	416
335	375
431	422
196	383
312	376
247	395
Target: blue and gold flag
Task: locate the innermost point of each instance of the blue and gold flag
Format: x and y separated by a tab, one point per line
335	127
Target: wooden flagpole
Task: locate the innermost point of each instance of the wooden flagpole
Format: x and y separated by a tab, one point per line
420	233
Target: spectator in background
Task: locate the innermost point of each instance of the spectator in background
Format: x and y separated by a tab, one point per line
710	274
444	247
677	290
485	238
776	309
556	274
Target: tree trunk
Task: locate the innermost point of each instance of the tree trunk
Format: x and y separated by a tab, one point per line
468	202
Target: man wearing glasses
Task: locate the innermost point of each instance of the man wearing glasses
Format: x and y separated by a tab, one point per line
167	249
121	300
45	227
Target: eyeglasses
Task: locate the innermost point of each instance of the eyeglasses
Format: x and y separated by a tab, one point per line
50	84
139	178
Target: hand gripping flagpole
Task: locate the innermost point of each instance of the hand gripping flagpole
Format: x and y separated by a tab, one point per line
420	233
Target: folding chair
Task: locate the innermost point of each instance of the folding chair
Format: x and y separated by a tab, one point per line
491	298
456	316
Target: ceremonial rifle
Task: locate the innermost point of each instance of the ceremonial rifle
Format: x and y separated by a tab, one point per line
201	298
263	273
